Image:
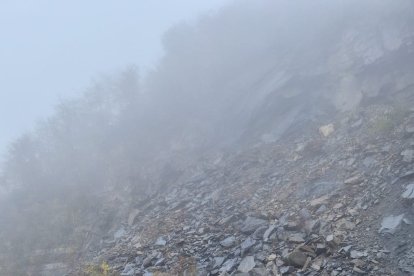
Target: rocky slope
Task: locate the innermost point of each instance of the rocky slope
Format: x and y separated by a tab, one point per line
336	199
252	149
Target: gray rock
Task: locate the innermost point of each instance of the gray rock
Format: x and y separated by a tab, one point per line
246	245
269	232
408	193
119	233
160	262
148	261
409	128
259	271
218	261
408	155
320	248
246	264
357	254
369	162
312	226
133	216
129	270
139	260
297	258
227	220
285	270
354	180
161	241
259	233
251	224
296	237
305	214
391	224
358	270
345	249
321	209
228	265
228	242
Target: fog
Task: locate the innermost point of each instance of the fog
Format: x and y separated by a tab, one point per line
109	105
51	51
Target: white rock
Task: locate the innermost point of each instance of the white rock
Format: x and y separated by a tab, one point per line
327	130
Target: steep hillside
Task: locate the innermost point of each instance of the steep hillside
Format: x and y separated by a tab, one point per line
274	137
334	202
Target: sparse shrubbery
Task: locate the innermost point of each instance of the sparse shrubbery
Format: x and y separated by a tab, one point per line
389	120
98	270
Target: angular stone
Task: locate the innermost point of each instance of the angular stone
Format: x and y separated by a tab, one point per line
259	271
133	216
296	238
129	270
259	232
297	259
227	220
228	265
409	128
391	224
269	232
228	242
327	130
332	240
251	224
246	264
160	262
246	245
120	233
358	270
408	193
271	257
321	209
357	254
345	224
354	180
319	201
147	261
320	248
292	226
317	264
312	226
161	241
218	261
408	155
285	270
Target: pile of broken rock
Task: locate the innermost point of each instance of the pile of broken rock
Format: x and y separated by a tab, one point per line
346	208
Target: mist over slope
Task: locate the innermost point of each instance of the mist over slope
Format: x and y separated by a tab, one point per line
252	74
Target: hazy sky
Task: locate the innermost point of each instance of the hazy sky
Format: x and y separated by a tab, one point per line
51	49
